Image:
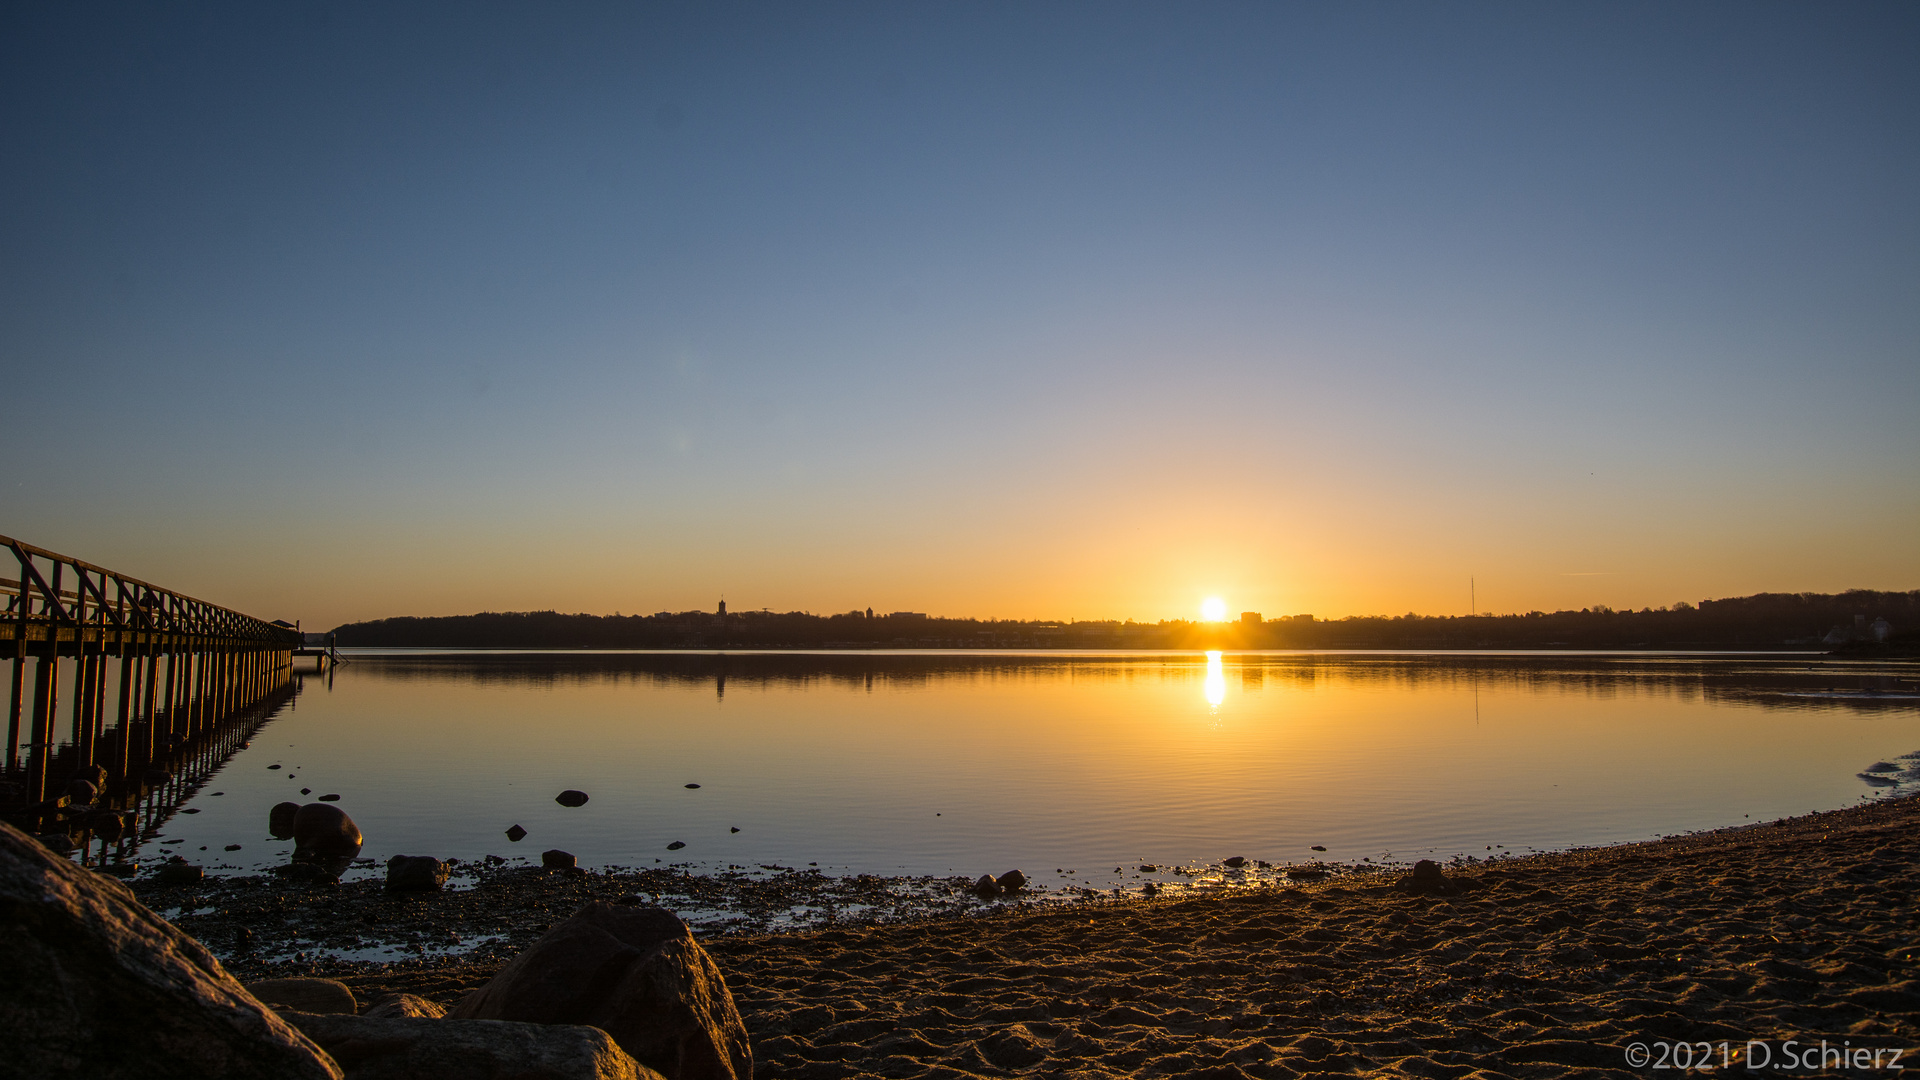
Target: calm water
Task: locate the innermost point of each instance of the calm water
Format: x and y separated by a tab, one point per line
971	763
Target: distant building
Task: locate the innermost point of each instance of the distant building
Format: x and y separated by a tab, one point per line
1250	618
869	613
723	607
906	614
1882	629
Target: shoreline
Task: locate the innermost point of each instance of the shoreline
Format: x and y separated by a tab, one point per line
1538	964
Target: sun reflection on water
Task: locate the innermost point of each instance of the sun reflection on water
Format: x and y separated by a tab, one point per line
1216	685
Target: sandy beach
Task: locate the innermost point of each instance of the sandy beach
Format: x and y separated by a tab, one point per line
1784	934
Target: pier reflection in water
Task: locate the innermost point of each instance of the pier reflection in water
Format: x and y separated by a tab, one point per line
969	762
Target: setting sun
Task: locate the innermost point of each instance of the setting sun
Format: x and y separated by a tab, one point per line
1213	609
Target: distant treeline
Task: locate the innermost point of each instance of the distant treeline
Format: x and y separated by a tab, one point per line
1858	618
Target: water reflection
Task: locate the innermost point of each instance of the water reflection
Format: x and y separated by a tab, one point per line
975	762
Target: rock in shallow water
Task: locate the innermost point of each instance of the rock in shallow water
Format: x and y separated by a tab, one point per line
324	830
555	859
571	797
280	820
94	984
635	973
516	834
415	873
1011	882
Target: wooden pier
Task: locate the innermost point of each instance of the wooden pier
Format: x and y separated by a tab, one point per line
156	684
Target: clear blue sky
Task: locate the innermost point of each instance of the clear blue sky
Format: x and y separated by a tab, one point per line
332	312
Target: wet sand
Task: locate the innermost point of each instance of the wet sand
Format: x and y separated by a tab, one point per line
1549	965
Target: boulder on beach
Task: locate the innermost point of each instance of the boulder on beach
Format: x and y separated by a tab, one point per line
555	859
635	973
571	797
323	830
94	984
986	886
415	873
280	820
1235	862
305	995
424	1048
402	1006
1011	882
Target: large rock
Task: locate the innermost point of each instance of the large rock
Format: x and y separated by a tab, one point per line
415	873
323	830
306	995
93	984
635	973
419	1048
406	1005
280	819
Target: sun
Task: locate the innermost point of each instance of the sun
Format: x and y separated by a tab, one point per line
1213	609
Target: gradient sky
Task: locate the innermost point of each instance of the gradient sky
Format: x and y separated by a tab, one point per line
334	312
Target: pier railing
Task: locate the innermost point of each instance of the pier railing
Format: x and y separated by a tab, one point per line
179	671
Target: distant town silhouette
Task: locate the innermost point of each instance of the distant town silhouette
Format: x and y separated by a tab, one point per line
1860	620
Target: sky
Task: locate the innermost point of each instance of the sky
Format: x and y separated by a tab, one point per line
335	312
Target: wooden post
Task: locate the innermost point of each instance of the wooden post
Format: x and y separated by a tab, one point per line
46	694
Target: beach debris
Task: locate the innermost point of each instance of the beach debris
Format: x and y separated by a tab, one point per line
280	820
1011	882
405	1006
667	1003
1236	862
74	928
1318	847
555	859
415	873
420	1046
330	798
986	887
516	834
305	995
676	845
571	797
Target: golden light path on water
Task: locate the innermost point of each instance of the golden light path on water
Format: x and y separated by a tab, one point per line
969	762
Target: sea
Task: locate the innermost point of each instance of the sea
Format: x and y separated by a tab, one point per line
1080	770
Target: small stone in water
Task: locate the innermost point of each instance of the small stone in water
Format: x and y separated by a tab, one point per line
1318	847
735	828
516	834
191	810
273	766
1236	862
306	791
571	797
676	845
693	785
219	793
329	798
233	847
